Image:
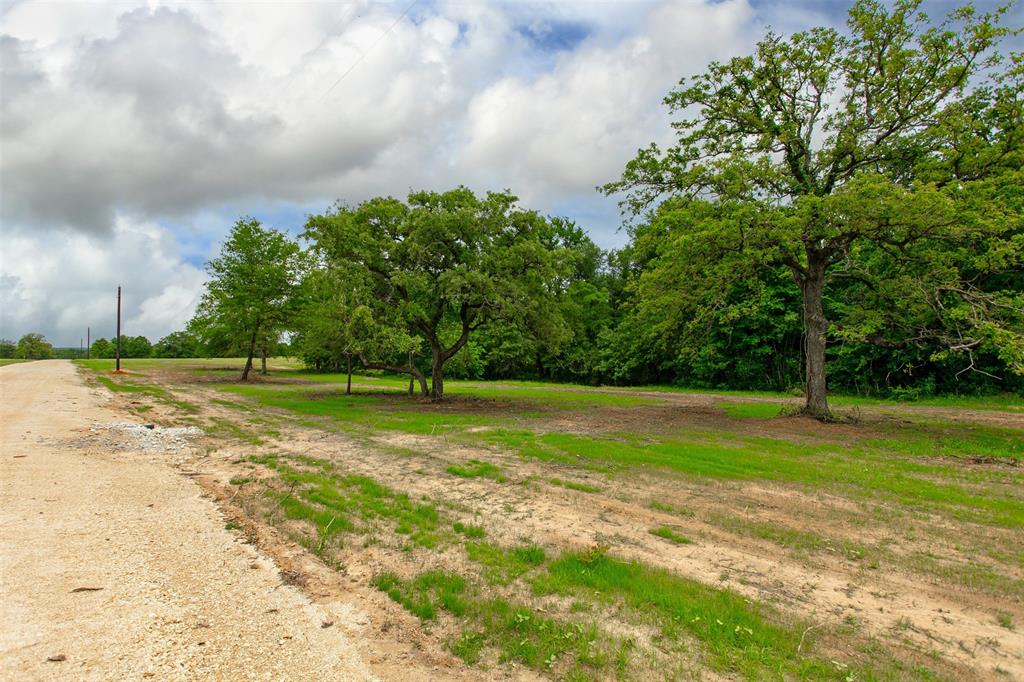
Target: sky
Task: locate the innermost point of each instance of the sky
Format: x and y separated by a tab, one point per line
134	133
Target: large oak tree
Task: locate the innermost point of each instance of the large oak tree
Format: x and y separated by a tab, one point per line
794	142
441	265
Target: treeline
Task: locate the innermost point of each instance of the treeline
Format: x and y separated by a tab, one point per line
838	210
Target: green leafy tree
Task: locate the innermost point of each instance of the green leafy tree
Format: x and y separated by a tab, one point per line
135	347
250	297
442	265
176	345
7	348
101	348
819	143
34	347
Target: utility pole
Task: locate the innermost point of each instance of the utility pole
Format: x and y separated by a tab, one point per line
88	342
117	367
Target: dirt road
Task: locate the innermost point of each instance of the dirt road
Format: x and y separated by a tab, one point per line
171	593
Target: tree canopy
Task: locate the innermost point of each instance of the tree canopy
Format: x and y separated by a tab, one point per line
249	299
823	146
442	265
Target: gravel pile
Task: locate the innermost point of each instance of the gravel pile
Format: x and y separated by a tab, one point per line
152	438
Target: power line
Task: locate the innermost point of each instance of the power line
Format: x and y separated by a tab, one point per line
370	49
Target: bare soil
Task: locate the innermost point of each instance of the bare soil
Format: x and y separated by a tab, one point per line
923	617
114	564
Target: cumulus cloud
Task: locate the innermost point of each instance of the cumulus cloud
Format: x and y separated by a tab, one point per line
59	283
132	132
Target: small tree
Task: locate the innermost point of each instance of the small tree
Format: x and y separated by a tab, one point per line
34	347
8	348
781	140
251	293
442	265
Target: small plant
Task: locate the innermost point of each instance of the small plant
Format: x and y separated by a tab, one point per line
240	480
1005	620
232	525
670	535
469	530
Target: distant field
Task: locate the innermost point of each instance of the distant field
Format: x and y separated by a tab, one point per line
638	533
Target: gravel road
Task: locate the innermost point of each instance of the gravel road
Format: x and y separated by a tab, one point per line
169	593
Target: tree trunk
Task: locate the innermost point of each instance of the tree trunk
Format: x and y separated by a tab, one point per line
436	372
263	357
410	373
411	370
348	386
248	360
812	287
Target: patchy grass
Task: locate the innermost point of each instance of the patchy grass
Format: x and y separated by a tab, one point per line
748	410
518	633
735	635
475	468
573	485
502	565
229	429
469	530
12	361
669	534
335	503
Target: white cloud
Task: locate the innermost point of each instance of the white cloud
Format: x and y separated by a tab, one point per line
58	283
119	117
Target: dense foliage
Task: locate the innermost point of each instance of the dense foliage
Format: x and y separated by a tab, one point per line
839	210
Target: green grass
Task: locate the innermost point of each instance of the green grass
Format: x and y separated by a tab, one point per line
502	565
335	503
475	468
518	633
751	410
426	593
667	533
226	428
12	361
735	635
158	393
469	530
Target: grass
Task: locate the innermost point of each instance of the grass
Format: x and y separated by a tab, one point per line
502	565
735	635
1005	620
751	410
335	503
573	485
477	469
123	384
518	633
900	479
12	361
669	534
469	530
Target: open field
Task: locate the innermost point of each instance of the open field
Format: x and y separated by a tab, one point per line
522	529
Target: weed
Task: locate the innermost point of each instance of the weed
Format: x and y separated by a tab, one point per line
670	535
1005	620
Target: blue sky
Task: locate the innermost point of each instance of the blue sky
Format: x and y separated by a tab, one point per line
135	132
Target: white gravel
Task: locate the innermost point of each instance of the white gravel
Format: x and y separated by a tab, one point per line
151	438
